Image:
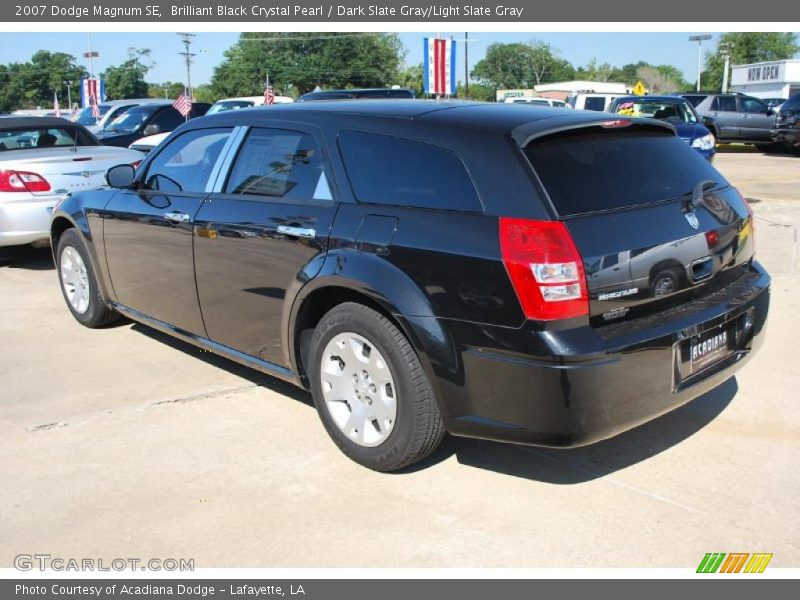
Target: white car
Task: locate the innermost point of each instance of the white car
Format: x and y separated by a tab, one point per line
42	160
244	102
537	101
147	143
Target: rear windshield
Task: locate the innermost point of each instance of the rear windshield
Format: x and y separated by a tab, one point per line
594	169
35	137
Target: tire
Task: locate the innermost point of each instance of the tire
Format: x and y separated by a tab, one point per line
352	336
666	281
79	283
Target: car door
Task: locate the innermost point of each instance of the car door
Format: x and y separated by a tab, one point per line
726	117
148	230
261	233
755	120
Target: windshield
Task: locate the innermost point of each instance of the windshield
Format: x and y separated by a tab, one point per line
84	115
54	137
226	105
132	120
675	111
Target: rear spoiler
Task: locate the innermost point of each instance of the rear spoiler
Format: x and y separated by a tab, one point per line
527	132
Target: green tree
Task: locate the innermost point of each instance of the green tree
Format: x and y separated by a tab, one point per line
477	91
168	89
412	78
31	84
127	79
521	65
302	61
745	48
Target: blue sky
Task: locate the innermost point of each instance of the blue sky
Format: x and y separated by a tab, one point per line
578	48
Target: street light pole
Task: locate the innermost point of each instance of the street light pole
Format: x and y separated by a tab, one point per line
699	39
726	52
69	94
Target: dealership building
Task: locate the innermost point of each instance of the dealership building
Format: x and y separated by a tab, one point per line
778	79
563	89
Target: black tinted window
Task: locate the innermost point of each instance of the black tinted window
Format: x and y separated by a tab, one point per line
752	105
185	164
279	164
168	119
594	103
695	99
725	104
390	170
594	169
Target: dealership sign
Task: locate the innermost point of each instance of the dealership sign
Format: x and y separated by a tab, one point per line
760	73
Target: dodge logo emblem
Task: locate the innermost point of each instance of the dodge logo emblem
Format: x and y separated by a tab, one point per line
692	218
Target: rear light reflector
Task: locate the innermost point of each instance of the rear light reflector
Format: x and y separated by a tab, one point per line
712	238
545	268
22	181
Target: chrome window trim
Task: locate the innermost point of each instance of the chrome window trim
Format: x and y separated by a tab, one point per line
220	171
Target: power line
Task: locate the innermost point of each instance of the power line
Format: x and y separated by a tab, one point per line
186	38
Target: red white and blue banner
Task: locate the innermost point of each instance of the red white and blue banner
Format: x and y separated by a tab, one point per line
440	66
92	88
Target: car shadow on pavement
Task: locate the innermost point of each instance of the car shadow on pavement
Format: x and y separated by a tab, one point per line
25	257
258	378
579	465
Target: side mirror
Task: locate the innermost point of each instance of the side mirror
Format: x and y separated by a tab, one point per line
152	129
121	176
770	112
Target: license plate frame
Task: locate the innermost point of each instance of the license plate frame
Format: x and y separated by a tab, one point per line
710	347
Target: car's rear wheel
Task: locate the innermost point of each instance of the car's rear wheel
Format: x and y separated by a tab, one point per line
79	284
371	391
666	281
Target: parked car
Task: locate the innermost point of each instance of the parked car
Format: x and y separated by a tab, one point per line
147	119
146	144
674	110
42	159
400	261
537	101
787	125
737	118
591	101
774	103
359	94
109	111
244	102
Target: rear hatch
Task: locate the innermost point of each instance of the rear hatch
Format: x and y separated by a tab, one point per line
68	170
624	191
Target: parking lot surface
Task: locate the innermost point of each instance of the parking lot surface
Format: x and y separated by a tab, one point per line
126	443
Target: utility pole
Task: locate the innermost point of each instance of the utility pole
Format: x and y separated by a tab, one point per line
186	39
466	64
699	39
69	93
726	50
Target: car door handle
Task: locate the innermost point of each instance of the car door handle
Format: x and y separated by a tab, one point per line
177	217
300	232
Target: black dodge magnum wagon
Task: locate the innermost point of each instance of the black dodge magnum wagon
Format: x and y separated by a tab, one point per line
523	274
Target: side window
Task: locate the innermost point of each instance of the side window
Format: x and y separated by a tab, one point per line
279	164
168	119
185	164
752	105
389	170
726	103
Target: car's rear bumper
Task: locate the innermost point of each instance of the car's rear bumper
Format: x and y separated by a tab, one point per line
24	218
595	382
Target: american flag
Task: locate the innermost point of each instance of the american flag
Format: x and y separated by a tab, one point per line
56	107
95	107
183	104
269	93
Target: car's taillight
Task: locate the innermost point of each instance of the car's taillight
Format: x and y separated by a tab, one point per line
545	268
22	181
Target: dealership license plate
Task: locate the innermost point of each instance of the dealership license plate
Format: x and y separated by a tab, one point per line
707	349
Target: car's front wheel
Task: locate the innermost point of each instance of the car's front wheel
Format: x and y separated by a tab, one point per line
370	390
79	283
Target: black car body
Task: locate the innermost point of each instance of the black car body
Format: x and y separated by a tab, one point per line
147	119
552	270
360	94
787	124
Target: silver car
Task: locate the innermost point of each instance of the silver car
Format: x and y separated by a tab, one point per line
42	160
